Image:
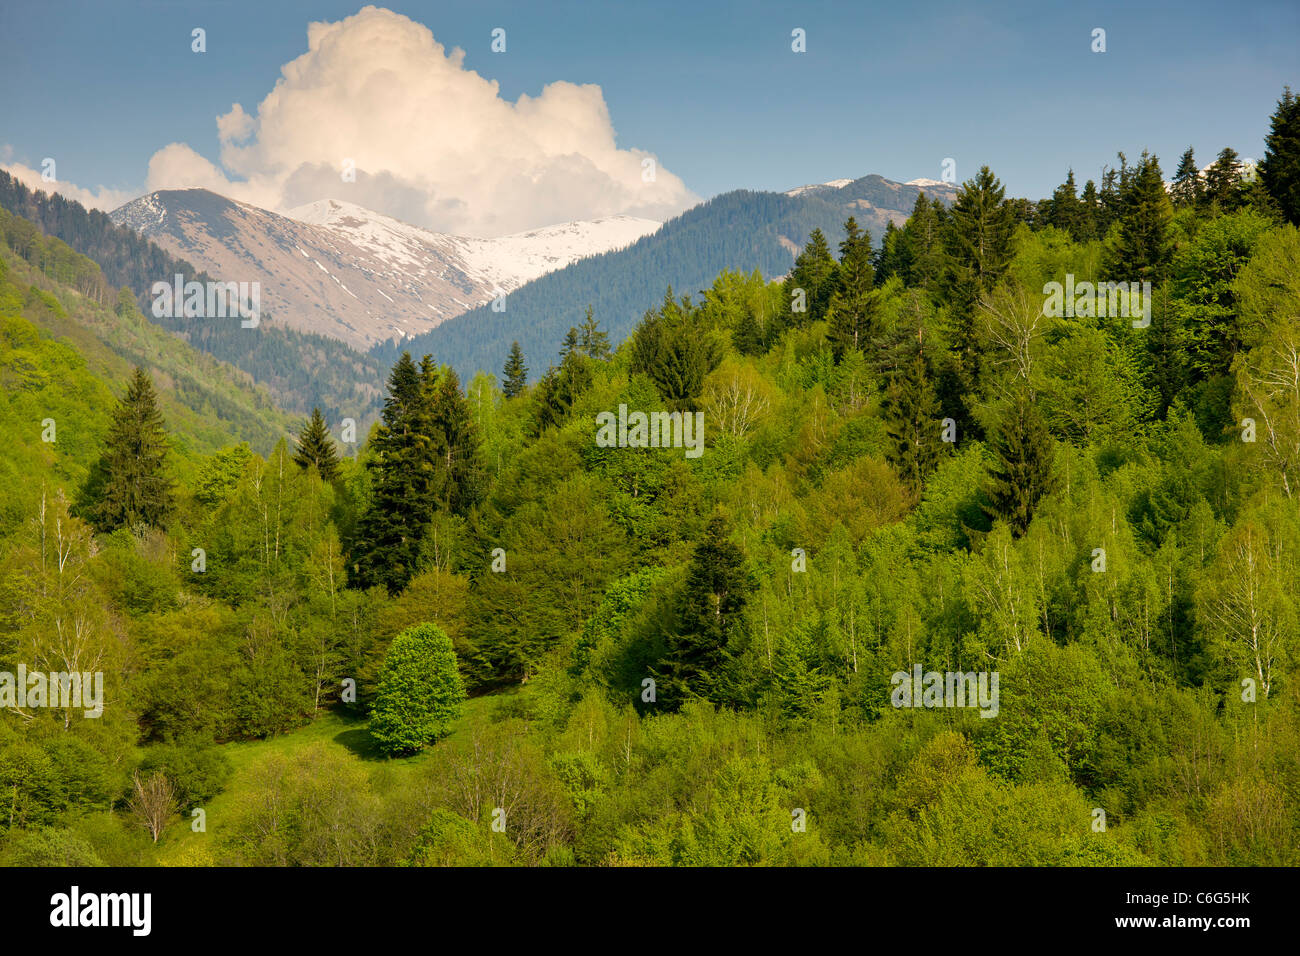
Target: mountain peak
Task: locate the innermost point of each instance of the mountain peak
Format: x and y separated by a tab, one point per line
342	270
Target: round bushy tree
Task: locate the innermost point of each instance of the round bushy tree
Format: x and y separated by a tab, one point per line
420	691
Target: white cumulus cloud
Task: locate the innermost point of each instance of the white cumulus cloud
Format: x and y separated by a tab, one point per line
432	142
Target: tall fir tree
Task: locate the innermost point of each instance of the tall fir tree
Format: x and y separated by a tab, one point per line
515	371
1145	245
748	334
1064	210
1021	473
389	532
710	622
570	343
1279	170
1187	189
926	260
130	479
1223	181
316	447
456	445
912	421
592	339
852	316
1089	213
979	244
810	284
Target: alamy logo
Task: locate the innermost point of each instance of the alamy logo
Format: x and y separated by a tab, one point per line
102	909
56	689
946	689
212	300
1099	300
651	430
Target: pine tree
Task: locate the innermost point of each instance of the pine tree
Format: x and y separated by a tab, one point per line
593	340
1186	191
852	313
1145	245
316	447
132	479
748	335
888	261
926	257
814	274
516	372
1223	181
1064	210
979	241
1090	213
912	422
390	530
710	622
1022	470
570	343
456	446
1279	170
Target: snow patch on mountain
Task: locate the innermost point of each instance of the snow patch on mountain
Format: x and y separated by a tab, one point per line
386	278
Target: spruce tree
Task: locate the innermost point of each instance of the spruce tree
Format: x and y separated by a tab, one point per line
316	447
516	372
1021	473
570	343
852	313
887	261
1145	245
1089	213
389	532
979	242
814	273
710	622
912	421
134	488
1223	181
671	347
592	339
926	258
456	445
748	335
1064	210
1186	190
1279	170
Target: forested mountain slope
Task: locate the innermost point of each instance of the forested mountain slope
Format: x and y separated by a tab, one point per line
739	230
300	370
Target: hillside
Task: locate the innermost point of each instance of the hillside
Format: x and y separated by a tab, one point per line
739	230
336	269
299	370
65	359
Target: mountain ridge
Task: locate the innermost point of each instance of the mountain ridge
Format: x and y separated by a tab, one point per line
339	269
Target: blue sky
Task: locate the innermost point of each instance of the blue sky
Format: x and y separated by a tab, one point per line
712	89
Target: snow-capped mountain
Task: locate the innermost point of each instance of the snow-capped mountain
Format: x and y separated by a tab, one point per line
340	270
816	187
827	190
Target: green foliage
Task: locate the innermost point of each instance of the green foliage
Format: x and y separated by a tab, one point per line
130	486
316	448
420	691
1102	535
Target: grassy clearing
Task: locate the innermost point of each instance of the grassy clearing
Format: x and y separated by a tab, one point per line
336	730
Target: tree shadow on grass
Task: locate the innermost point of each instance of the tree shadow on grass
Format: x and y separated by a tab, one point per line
358	741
